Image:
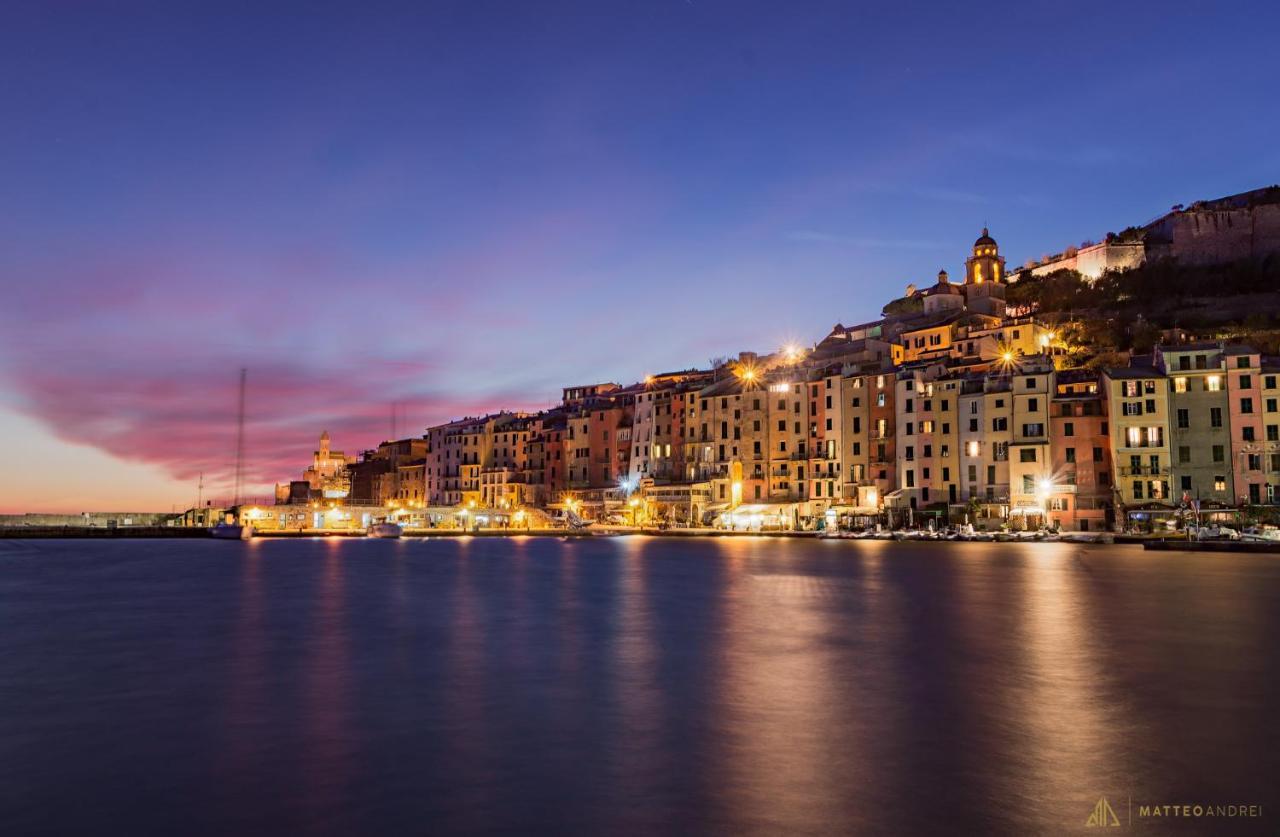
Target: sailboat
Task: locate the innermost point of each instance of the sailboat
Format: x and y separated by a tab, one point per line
230	528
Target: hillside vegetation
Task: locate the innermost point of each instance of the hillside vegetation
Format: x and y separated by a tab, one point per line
1128	310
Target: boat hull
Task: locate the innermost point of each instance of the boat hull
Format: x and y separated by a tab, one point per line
231	532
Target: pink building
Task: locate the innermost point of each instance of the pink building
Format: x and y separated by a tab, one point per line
1245	408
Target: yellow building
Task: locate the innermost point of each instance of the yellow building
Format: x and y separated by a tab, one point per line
1138	414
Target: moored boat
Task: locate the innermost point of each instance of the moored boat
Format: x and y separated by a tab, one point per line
386	529
231	531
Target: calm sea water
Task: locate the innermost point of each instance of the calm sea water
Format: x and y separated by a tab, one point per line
629	686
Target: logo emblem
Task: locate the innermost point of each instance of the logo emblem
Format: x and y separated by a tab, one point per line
1103	815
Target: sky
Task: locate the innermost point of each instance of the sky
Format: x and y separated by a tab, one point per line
459	207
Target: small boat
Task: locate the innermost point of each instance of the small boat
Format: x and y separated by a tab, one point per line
1261	534
1213	533
231	532
386	529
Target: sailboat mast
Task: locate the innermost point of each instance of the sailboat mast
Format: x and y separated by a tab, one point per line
240	440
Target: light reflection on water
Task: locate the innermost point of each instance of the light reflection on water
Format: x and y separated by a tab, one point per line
627	685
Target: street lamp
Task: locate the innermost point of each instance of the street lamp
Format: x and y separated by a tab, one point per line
1044	487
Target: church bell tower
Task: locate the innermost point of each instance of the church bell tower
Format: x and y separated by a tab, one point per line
984	277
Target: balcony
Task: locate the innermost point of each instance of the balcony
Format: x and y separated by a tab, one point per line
1143	471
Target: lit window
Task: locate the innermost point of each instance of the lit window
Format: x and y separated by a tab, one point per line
1179	384
1213	383
974	448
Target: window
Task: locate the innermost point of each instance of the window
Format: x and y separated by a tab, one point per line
910	453
973	449
911	479
1097	454
1131	389
1028	484
1068	429
1000	451
1180	384
909	407
1184	418
880	399
926	427
1219	483
1027	455
1219	453
1215	416
1213	383
1033	429
1033	405
1246	405
1131	408
1137	489
999	424
1246	434
1273	433
1071	455
1184	455
1186	483
973	425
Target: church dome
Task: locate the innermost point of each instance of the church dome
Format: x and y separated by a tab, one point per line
944	286
985	240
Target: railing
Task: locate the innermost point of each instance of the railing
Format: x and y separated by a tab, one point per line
1143	471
